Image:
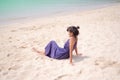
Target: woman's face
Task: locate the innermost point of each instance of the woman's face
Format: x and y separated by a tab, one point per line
70	34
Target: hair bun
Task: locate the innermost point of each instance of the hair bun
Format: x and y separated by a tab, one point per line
77	27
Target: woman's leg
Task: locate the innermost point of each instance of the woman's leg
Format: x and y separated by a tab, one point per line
50	49
40	52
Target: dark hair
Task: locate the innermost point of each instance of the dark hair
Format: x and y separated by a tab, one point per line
74	30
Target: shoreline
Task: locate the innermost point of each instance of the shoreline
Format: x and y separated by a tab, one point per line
5	22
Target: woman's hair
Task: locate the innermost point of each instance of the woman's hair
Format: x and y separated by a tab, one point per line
74	30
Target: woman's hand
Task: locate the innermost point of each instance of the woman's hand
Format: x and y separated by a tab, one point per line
71	63
80	54
77	54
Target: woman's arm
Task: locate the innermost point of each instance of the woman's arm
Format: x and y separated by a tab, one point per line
76	50
71	44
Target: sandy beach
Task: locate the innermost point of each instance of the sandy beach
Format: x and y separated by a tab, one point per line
99	43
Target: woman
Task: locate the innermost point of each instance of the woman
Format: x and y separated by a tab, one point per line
52	50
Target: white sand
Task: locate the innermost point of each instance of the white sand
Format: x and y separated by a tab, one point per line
99	42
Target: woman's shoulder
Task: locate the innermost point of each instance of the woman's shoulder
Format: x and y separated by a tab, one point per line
73	39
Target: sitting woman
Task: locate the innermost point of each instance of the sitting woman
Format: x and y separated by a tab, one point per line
52	50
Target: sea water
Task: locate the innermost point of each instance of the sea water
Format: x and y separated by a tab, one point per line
16	9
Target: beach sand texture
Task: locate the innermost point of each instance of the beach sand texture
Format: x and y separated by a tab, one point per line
99	42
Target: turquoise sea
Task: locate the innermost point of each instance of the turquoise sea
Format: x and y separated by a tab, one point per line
24	8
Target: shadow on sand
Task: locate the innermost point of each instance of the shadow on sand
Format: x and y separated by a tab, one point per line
79	58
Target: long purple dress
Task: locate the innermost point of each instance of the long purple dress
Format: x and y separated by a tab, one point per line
52	50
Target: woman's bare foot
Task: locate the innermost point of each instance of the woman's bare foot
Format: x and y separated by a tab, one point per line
40	52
